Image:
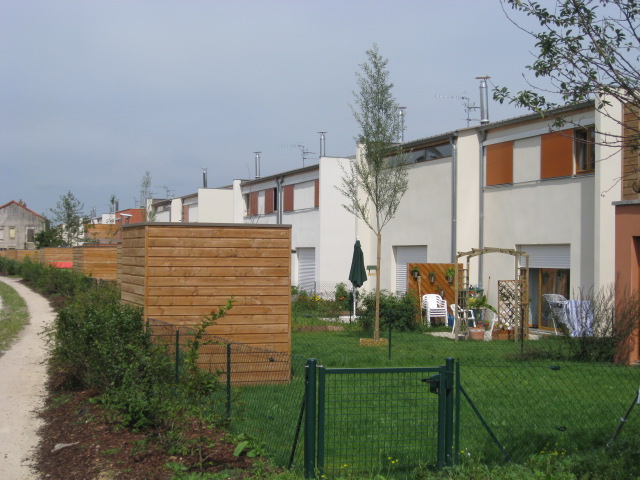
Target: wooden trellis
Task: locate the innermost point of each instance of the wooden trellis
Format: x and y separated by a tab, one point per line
513	295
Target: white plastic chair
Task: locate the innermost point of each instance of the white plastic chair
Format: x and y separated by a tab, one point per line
435	307
459	315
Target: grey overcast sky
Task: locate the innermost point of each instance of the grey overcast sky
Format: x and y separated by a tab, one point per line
95	93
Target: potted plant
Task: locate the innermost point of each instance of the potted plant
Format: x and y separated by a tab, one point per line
450	273
415	273
478	304
503	330
439	290
432	276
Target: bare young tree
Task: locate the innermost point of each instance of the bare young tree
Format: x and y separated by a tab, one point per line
377	179
145	196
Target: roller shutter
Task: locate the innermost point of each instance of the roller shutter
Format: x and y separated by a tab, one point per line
547	256
404	255
307	269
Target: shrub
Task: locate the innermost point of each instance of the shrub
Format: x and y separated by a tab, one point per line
400	311
343	297
96	340
9	267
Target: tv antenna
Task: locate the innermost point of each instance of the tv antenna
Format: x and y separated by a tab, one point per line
303	151
168	191
468	105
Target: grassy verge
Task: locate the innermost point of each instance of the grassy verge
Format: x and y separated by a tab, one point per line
13	315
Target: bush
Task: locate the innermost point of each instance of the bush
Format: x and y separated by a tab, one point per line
96	340
402	312
343	297
9	267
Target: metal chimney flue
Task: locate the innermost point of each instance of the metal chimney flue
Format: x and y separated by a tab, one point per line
322	144
484	100
204	178
257	164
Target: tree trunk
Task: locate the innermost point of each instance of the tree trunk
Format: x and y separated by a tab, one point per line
376	325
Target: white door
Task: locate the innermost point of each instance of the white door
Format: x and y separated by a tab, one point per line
404	255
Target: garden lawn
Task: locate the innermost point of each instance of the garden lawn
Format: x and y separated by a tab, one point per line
530	407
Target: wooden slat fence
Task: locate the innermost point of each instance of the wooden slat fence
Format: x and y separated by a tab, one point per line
180	273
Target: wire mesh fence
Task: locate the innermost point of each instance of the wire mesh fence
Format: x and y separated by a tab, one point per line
509	412
516	398
261	390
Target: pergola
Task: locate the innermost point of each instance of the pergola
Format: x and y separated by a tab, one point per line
513	295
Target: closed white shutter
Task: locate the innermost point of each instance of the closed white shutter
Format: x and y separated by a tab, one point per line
404	255
547	256
307	269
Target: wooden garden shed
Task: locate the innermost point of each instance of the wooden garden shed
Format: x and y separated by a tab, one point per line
97	261
179	273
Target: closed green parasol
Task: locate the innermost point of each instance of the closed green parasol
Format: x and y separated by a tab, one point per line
357	274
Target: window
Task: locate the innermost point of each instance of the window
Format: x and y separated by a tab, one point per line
439	151
31	234
556	153
12	233
499	163
585	152
1	234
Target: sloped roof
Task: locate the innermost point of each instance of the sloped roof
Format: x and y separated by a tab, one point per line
22	206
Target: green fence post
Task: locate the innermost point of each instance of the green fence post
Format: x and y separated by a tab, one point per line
456	458
321	420
177	356
228	380
310	418
442	416
448	428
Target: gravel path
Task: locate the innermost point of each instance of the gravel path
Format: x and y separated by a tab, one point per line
22	388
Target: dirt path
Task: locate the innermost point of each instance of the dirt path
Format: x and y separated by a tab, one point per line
22	379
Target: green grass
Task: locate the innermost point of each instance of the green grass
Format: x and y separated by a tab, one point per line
13	316
532	407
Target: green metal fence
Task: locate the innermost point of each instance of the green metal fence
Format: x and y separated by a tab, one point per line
261	390
505	408
378	419
509	412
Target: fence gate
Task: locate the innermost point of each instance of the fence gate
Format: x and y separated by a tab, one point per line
377	419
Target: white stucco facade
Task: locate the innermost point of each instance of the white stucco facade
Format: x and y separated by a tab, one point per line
448	207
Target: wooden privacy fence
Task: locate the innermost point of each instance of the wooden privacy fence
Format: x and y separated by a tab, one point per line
234	363
55	255
437	283
20	254
180	273
97	261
